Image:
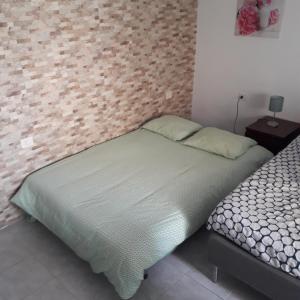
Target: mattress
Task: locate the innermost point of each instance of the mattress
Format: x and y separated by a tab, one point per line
262	215
125	204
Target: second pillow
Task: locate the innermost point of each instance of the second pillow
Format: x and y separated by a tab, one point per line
220	142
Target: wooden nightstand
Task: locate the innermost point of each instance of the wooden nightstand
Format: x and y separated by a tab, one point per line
274	139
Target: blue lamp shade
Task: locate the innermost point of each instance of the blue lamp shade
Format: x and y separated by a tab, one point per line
276	104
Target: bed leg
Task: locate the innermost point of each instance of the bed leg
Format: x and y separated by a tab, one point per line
145	275
215	270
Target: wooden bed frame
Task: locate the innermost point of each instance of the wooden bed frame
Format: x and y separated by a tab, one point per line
232	259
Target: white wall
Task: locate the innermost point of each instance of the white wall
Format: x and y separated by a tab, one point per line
227	65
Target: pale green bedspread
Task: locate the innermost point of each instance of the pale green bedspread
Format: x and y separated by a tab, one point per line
125	204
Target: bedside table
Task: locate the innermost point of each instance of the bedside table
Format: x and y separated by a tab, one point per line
274	139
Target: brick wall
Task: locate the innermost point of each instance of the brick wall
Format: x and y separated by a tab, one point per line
75	73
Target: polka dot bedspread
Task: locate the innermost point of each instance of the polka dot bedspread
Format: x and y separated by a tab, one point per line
262	215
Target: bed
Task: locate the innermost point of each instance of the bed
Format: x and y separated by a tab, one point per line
256	229
125	204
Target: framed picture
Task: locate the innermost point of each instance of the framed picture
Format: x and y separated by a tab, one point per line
260	18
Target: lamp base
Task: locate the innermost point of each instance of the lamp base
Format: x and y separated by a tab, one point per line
273	124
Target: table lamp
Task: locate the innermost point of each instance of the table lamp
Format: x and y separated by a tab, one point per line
276	105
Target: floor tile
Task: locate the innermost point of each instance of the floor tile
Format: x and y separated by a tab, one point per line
38	239
9	258
54	290
13	249
148	292
84	284
182	266
58	259
23	280
205	279
188	289
162	275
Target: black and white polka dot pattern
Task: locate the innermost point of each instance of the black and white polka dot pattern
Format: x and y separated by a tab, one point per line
262	215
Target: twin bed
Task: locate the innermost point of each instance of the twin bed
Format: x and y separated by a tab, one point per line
125	204
256	229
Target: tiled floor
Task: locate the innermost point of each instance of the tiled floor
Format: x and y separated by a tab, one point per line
35	265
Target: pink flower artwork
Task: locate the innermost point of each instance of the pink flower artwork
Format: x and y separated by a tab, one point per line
248	20
259	17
